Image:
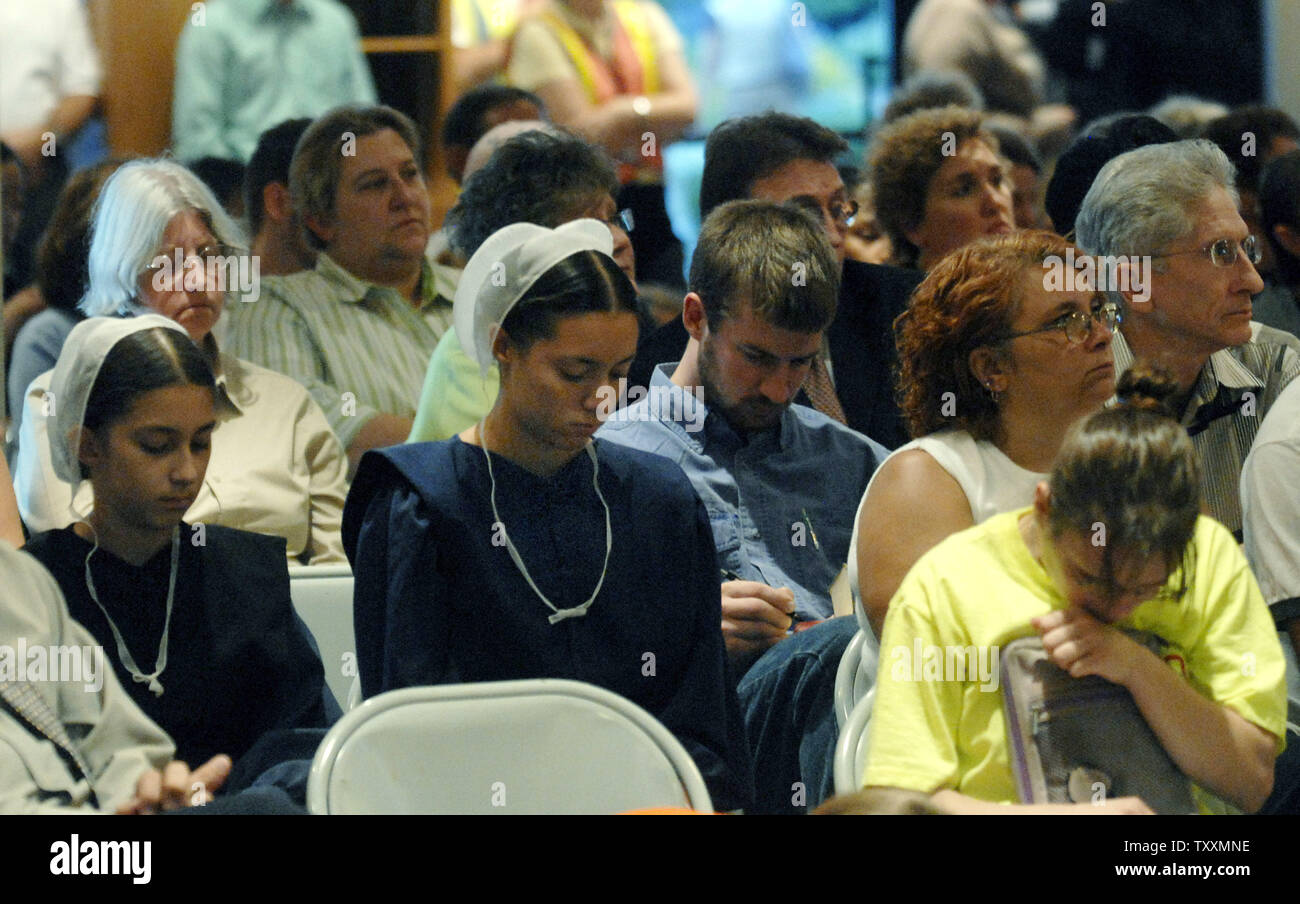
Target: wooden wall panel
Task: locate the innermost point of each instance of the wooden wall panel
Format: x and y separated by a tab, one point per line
138	39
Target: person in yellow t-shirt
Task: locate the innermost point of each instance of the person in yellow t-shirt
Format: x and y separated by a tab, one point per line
1113	540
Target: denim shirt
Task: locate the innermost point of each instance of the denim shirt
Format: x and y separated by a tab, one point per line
781	502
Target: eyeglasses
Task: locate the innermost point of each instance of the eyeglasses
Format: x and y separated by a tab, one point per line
622	220
1077	325
844	213
212	258
209	255
1223	252
1170	590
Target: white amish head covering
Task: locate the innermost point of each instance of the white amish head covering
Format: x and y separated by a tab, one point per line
75	373
505	267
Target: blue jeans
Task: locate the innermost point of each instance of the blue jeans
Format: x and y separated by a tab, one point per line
787	699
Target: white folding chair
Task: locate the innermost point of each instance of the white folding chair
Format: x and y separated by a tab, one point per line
846	677
322	597
521	747
851	748
856	673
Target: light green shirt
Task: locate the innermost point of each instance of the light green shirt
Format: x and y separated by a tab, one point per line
360	349
455	397
243	66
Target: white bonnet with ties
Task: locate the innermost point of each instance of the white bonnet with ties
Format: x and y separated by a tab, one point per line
74	377
505	267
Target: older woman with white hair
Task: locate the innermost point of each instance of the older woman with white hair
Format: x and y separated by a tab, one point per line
162	243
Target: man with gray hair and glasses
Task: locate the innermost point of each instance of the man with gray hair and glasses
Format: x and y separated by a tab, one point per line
1162	222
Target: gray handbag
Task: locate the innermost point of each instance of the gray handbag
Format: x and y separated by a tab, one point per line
1079	740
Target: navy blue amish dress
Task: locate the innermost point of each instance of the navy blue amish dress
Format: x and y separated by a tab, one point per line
438	599
239	663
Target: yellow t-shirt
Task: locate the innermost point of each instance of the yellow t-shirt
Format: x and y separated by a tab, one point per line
475	22
539	58
936	726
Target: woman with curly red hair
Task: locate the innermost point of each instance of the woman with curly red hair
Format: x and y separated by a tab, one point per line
994	368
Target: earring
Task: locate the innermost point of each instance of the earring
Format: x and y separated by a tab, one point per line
994	394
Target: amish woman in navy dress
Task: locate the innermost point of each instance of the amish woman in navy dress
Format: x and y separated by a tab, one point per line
523	548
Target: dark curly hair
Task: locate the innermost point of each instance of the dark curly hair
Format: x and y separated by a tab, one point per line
535	177
967	301
904	159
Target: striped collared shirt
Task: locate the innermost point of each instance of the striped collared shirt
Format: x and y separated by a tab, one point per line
360	349
1233	392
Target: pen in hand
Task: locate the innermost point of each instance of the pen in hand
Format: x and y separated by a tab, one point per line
812	533
729	575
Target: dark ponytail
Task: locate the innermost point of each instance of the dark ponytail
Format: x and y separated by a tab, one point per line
1131	470
142	362
1147	388
585	282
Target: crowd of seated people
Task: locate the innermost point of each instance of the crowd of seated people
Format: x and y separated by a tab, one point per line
890	403
1165	570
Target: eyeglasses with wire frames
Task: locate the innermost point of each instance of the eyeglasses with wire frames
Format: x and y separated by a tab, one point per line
622	220
1223	252
214	254
1077	325
842	213
1171	589
212	258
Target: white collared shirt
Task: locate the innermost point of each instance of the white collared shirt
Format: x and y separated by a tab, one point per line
46	54
1270	502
